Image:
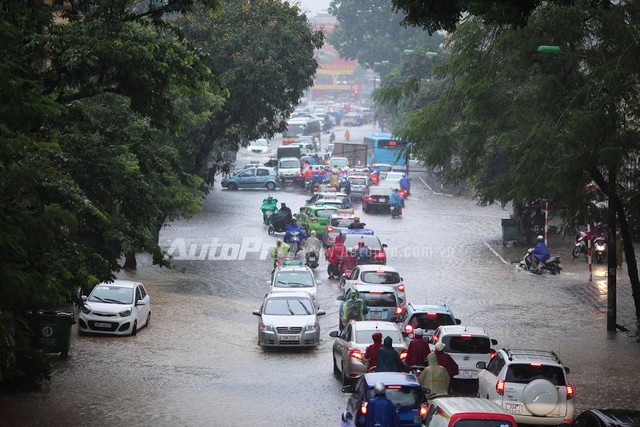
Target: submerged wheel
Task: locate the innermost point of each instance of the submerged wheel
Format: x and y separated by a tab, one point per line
134	330
232	186
271	186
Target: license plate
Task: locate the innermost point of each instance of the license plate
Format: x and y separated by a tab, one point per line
289	338
312	258
102	325
513	408
376	314
382	199
468	375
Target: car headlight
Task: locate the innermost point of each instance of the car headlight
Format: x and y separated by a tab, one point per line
264	327
312	327
86	309
125	313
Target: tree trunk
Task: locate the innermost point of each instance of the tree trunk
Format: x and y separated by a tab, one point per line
629	251
130	262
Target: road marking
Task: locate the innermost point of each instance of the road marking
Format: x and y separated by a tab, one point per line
496	253
425	183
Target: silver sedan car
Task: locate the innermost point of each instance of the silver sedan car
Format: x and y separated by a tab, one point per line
288	319
337	223
352	342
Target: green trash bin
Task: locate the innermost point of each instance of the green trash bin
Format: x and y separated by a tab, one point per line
510	230
53	331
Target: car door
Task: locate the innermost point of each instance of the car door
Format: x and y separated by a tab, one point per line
262	177
138	310
342	346
488	378
356	398
246	178
146	308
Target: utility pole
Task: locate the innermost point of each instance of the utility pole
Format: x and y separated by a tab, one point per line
611	256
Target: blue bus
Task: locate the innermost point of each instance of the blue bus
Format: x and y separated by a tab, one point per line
385	148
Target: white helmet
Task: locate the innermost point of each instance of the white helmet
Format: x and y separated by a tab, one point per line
540	238
379	389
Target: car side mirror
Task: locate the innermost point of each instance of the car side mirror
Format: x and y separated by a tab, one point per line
140	302
334	334
567	370
426	390
321	313
384	245
481	365
308	201
256	312
458	322
494	342
340	298
301	209
347	389
83	297
318	282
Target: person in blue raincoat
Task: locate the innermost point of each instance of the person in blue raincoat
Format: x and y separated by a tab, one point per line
540	253
395	200
405	183
388	358
295	227
380	410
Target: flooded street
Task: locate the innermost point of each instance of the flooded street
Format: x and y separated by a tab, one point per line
199	363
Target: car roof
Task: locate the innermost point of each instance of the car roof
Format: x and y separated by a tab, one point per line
462	329
429	308
343	216
289	294
370	325
376	267
527	355
378	190
456	405
294	268
391	378
331	194
121	283
618	417
322	207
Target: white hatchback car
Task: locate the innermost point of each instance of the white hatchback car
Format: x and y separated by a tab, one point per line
120	307
532	385
467	345
375	274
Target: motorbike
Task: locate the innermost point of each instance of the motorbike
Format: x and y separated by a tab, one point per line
294	243
278	223
311	260
600	248
334	270
552	265
396	212
599	238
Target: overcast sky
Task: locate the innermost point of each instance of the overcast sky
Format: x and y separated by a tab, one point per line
314	6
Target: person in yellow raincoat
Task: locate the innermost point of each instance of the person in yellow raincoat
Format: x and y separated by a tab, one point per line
279	253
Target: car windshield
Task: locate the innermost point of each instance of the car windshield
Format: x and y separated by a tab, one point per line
339	163
325	213
358	181
112	294
394	176
351	241
378	299
525	373
431	321
341	222
365	337
466	422
384	168
294	279
289	164
467	344
288	306
259	143
334	203
401	396
380	277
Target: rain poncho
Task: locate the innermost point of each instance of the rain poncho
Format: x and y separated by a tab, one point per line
381	412
371	353
541	252
312	244
435	377
279	253
335	252
348	263
269	205
405	183
353	308
447	362
417	351
395	199
388	358
293	228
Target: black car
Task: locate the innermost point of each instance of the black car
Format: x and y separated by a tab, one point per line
376	199
271	163
607	418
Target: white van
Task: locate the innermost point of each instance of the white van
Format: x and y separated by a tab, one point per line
288	169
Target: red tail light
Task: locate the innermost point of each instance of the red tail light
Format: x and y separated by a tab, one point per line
492	353
400	288
408	328
465	335
380	255
363	408
423	410
500	387
570	391
403	355
300	175
536	365
356	354
329	229
398	310
370	199
394	387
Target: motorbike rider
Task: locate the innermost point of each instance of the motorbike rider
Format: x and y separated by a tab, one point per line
312	244
344	185
371	353
388	358
380	410
293	228
435	377
279	253
356	224
539	253
418	349
363	254
348	262
285	213
354	308
333	255
395	200
405	183
268	204
332	138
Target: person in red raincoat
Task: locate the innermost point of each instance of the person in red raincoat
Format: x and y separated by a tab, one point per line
418	350
371	353
348	262
445	360
333	255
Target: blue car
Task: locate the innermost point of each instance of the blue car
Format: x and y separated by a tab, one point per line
403	389
255	177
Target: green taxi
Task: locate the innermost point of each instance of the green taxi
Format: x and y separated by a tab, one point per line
315	218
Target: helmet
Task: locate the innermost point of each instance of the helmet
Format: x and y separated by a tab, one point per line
270	198
395	190
356	218
419	332
540	238
379	389
294	221
347	416
313	232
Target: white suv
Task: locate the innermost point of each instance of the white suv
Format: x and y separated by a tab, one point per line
531	385
467	345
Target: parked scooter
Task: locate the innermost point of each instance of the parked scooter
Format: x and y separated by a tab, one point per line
552	265
599	237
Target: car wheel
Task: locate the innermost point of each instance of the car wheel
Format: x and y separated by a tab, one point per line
336	371
232	186
134	330
365	209
271	186
148	319
343	376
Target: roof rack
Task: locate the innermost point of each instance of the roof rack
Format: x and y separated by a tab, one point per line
535	353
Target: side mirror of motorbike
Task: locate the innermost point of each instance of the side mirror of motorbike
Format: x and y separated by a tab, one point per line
384	245
347	389
301	209
321	313
567	370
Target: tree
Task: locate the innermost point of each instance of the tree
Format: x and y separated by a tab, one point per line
263	54
526	124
